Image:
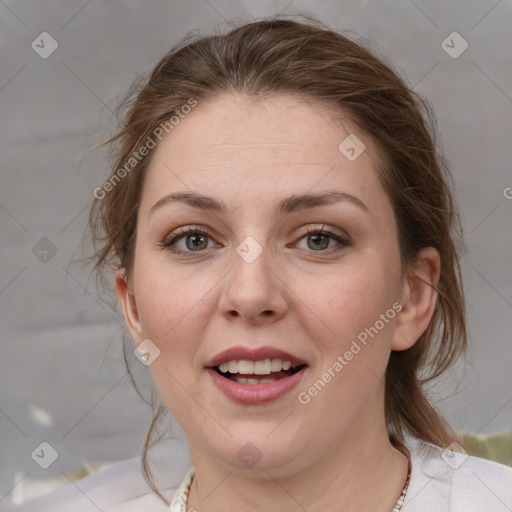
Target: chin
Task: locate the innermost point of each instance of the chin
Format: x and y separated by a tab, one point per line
256	450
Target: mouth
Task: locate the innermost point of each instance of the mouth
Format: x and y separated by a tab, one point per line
255	376
254	373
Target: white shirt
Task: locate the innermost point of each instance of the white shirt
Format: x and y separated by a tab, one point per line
440	482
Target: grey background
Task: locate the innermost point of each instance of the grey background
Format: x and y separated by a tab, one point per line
62	376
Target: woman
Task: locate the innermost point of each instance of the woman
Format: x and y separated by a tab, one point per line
282	230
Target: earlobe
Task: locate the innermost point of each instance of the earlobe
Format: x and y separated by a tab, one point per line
418	299
129	305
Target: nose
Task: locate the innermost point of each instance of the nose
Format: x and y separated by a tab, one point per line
254	291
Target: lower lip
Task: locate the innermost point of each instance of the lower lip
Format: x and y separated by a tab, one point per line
258	393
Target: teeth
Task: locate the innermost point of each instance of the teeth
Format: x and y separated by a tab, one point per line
276	365
263	367
246	367
252	382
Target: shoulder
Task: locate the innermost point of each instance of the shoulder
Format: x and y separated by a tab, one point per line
457	481
116	488
121	487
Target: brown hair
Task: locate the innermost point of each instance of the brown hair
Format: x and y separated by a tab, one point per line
308	59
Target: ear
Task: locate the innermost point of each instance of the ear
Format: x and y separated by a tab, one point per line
129	305
418	299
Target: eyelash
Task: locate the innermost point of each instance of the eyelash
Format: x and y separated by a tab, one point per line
182	232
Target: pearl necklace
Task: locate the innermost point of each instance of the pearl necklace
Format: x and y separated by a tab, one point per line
401	498
179	502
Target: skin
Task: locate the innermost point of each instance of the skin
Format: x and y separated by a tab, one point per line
334	452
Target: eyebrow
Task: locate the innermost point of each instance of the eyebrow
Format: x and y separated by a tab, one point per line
285	206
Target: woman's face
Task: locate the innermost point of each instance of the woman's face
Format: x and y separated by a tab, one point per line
258	287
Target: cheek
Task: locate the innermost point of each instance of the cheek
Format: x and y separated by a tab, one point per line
355	349
175	311
170	314
165	306
350	304
164	296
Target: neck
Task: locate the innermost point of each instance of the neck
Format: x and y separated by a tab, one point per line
360	472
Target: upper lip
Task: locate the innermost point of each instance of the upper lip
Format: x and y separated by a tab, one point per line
253	354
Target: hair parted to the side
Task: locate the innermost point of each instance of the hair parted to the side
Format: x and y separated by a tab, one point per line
307	58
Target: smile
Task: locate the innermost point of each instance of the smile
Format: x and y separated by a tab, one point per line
255	376
253	373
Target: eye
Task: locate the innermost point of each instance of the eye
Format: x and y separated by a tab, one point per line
319	239
195	239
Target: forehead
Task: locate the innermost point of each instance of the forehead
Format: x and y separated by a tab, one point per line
259	147
266	126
